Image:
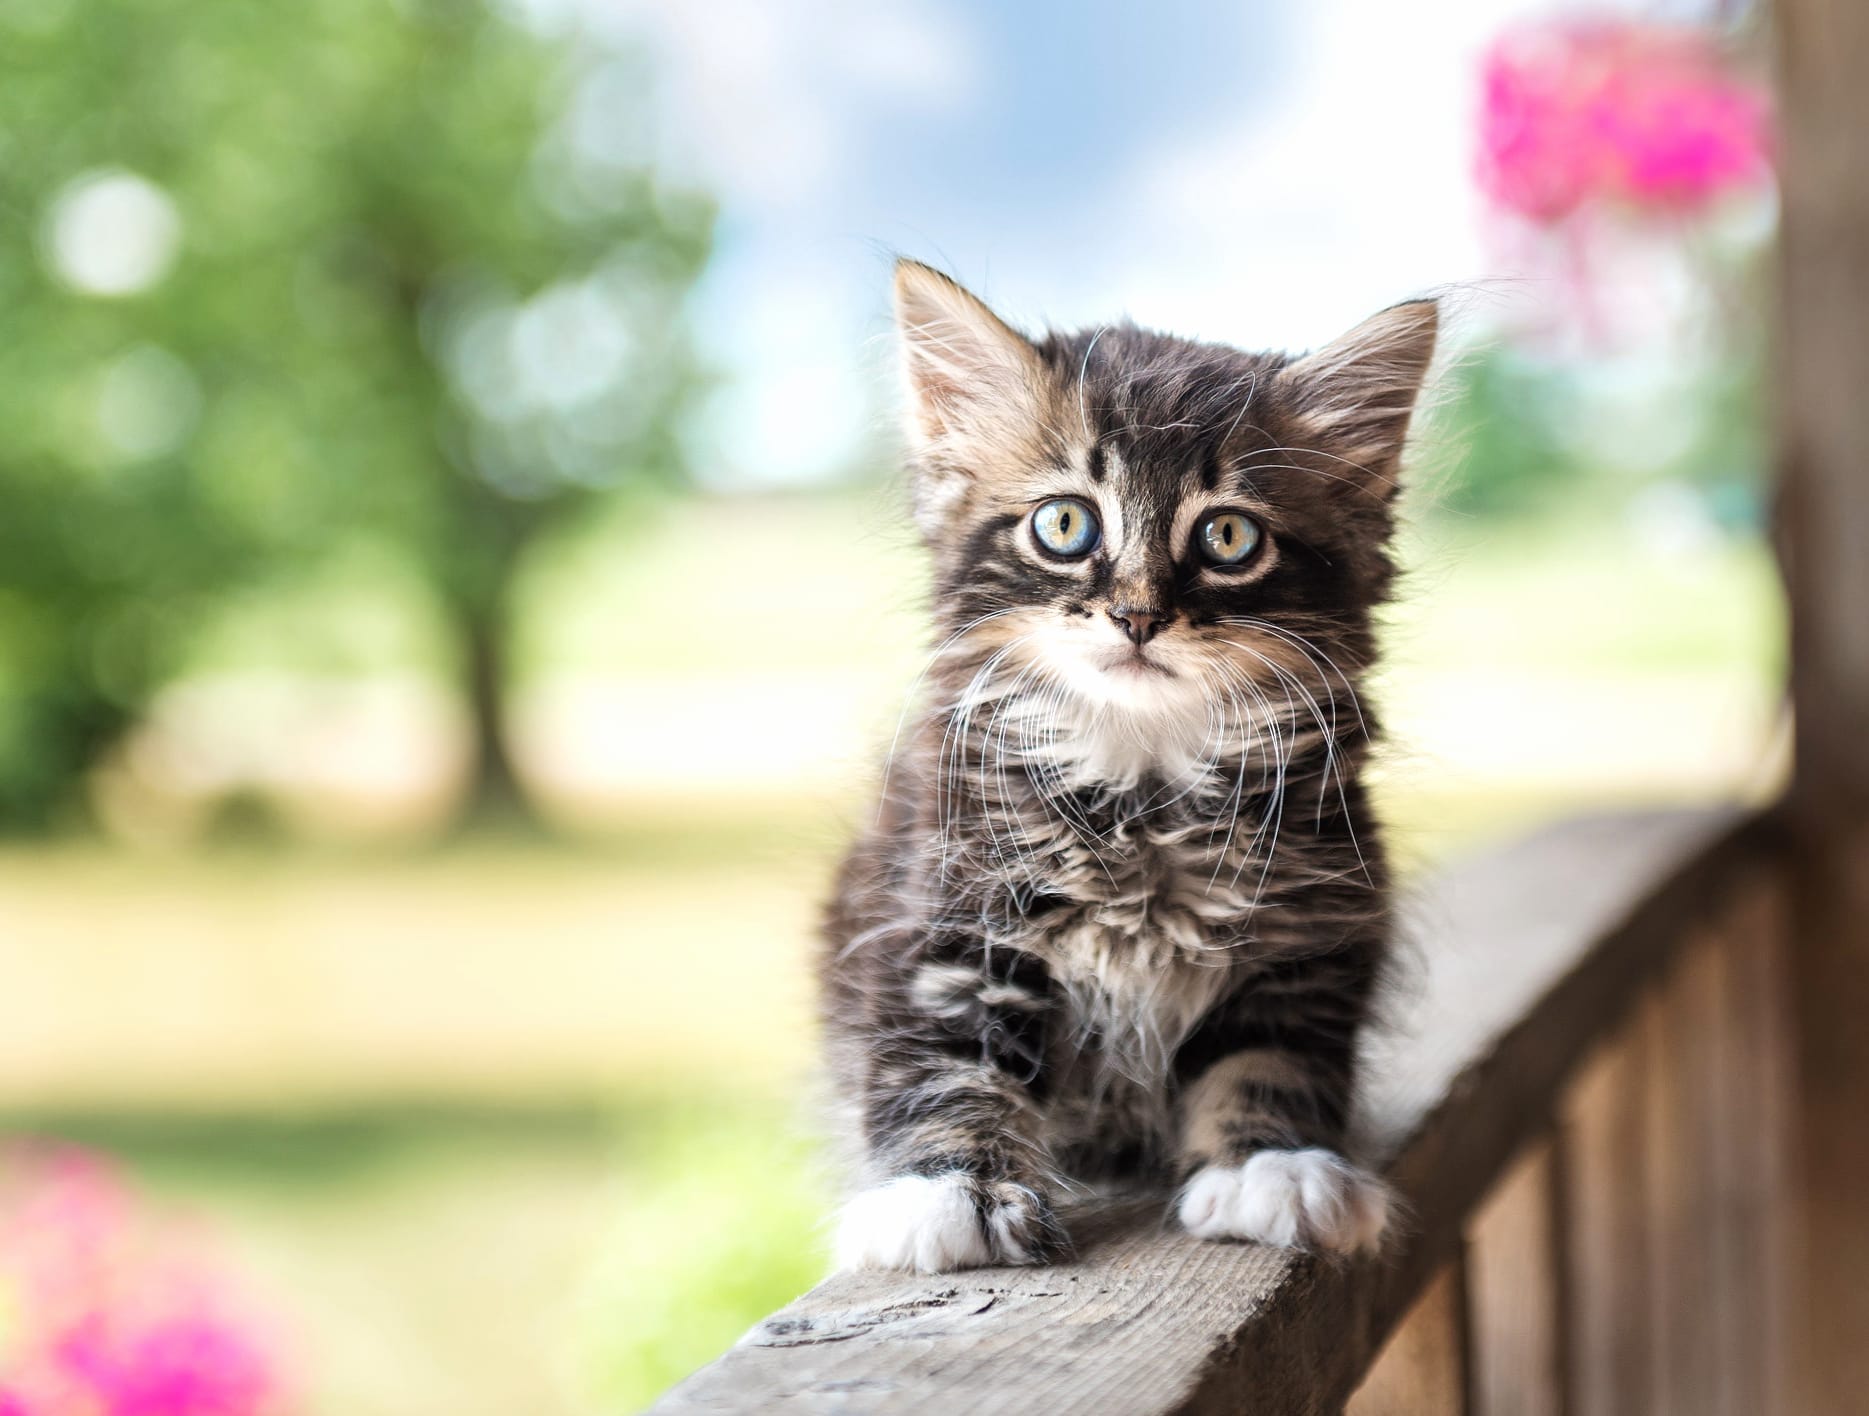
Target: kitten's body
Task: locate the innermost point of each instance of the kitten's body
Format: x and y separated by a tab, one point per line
1122	908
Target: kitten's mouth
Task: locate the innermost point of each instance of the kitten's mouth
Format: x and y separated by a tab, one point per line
1136	664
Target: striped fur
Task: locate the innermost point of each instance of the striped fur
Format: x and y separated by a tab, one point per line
1123	907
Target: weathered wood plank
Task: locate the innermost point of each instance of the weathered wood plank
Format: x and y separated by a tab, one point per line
1422	1368
1609	1264
1753	1140
1518	1286
1527	957
1675	1029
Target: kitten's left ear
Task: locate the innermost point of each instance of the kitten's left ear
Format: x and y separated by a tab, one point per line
1360	390
974	386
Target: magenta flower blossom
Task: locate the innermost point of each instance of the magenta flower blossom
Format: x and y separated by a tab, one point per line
1652	118
108	1309
186	1364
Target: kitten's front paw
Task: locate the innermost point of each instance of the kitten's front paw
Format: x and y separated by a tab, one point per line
935	1223
1304	1199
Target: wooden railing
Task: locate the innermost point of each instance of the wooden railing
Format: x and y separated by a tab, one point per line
1578	1094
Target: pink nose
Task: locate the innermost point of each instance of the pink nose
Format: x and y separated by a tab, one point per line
1141	625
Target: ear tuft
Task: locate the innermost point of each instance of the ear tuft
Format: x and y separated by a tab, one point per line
964	365
974	386
1360	390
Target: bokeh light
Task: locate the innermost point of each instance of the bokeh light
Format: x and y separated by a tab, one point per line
112	233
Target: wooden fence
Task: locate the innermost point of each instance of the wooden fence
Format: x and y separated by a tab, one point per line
1579	1093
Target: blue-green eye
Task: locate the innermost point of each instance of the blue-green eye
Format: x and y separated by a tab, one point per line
1229	538
1066	527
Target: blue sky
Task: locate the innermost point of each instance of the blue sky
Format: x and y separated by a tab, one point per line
1260	172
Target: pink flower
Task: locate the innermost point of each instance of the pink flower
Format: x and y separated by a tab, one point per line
181	1365
1649	117
118	1311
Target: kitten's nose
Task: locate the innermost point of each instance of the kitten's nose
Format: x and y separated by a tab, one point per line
1141	625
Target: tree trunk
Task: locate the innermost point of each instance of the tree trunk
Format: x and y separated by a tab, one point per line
495	796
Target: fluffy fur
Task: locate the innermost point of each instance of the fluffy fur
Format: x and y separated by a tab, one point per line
1123	908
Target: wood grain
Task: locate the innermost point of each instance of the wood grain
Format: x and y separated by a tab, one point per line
1526	958
1685	1363
1517	1278
1753	1139
1422	1368
1605	1146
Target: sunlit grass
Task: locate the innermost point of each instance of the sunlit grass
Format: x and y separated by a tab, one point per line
721	1222
1584	596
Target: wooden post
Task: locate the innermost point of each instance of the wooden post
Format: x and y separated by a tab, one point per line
1823	532
1422	1371
1607	1242
1751	1126
1679	1020
1518	1292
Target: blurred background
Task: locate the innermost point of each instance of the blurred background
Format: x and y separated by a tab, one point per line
454	588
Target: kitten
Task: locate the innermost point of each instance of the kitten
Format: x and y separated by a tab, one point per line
1123	908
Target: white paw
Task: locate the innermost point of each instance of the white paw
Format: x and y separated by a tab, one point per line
935	1223
1305	1199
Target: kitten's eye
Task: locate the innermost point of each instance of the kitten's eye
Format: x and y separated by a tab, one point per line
1066	527
1229	538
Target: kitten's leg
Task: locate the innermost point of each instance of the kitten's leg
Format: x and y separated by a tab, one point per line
1261	1126
951	1112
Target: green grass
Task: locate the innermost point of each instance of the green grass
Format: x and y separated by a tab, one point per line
1585	598
723	1226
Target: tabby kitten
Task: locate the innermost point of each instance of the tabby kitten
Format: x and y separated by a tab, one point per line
1123	907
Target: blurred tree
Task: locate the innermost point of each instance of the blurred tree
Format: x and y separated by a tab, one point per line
1525	433
282	279
1504	414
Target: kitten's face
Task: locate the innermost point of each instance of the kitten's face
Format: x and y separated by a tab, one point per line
1167	534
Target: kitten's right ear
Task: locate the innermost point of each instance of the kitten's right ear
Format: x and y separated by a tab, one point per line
973	381
965	365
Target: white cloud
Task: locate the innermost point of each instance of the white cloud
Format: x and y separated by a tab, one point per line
765	102
1286	228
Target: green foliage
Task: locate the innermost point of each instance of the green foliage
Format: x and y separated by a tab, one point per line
1505	421
411	305
719	1226
1728	456
1525	435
